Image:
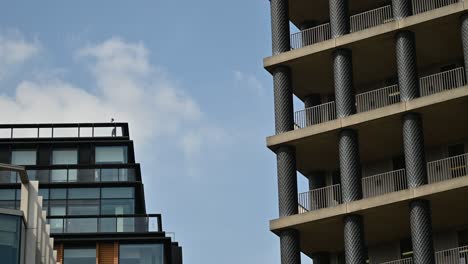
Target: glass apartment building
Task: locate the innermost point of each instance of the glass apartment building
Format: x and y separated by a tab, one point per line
92	192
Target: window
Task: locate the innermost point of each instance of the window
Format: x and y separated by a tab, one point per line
64	157
10	232
141	254
113	154
58	194
57	207
120	192
117	206
79	256
23	157
83	207
83	193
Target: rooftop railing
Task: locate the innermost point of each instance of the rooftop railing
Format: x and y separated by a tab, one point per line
448	168
377	98
452	256
325	197
311	36
371	18
315	115
384	183
65	130
400	261
75	174
420	6
442	81
105	224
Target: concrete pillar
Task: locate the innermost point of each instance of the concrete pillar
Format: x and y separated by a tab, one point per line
29	193
355	249
413	145
408	80
421	232
401	9
283	96
287	198
344	85
350	166
339	17
280	26
464	35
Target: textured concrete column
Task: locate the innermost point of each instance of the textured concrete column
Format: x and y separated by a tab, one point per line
421	232
344	85
287	198
280	35
401	9
284	111
350	167
464	35
408	80
290	248
413	145
339	17
355	249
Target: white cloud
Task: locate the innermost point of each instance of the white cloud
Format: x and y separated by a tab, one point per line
15	50
128	88
250	82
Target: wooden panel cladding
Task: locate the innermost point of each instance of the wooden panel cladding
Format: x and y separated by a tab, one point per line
108	253
59	248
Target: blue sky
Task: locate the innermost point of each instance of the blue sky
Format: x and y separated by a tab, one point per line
188	77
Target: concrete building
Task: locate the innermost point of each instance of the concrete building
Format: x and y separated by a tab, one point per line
24	233
381	138
92	192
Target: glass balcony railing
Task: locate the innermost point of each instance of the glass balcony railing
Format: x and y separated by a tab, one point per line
73	174
105	224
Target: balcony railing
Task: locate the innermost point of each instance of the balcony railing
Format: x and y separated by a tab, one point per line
64	130
75	174
315	115
448	168
442	81
400	261
452	256
377	98
384	183
371	18
105	224
325	197
420	6
311	36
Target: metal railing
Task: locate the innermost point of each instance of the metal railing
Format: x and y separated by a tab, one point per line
452	256
400	261
105	224
377	98
325	197
315	115
311	36
384	183
448	168
371	18
74	173
420	6
442	81
63	130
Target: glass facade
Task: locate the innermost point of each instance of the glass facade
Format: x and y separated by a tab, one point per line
112	154
10	238
64	157
141	254
79	255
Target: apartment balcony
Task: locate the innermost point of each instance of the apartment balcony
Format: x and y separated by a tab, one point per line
387	197
105	224
382	97
359	21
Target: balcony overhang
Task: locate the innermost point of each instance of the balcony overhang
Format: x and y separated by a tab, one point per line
380	131
447	212
373	51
